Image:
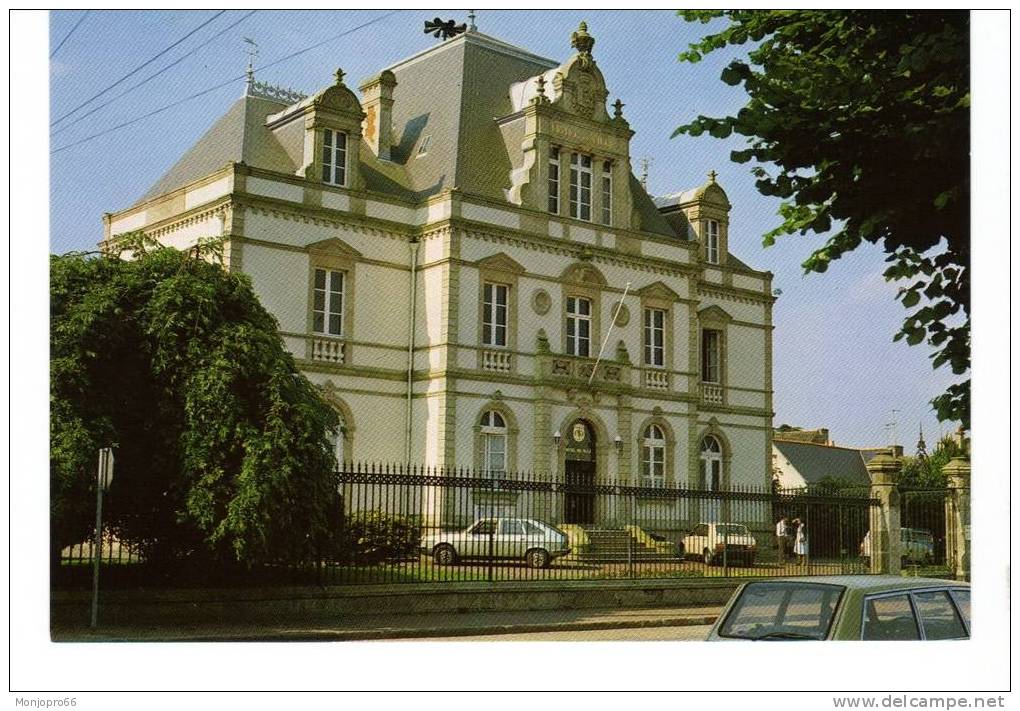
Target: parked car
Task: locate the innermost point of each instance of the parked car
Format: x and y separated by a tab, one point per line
715	543
535	542
916	546
847	607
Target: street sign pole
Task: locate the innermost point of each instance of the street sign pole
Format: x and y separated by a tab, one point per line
104	474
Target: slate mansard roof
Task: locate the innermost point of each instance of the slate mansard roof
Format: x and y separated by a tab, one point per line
451	93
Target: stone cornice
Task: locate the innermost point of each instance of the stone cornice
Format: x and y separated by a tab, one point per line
310	214
734	293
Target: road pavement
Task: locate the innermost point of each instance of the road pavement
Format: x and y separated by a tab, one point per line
403	626
686	633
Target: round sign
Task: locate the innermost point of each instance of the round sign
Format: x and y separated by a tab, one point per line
578	432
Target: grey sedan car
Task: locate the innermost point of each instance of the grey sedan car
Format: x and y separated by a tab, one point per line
532	541
846	607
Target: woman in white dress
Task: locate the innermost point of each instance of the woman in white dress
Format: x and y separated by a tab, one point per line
800	543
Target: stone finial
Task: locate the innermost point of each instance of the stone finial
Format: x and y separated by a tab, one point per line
540	97
581	40
542	342
618	109
622	355
339	74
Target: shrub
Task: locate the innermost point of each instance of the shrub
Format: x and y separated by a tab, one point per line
374	537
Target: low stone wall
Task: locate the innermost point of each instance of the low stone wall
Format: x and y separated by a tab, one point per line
132	607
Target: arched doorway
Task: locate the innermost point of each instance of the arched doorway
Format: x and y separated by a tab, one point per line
579	473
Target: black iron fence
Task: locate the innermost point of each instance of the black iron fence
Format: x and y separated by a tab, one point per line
397	524
927	538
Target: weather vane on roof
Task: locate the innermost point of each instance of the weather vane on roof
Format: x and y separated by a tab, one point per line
445	29
253	54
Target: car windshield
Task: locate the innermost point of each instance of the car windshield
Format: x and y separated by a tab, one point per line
783	610
731	529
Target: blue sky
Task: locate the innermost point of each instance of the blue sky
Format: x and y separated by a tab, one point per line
835	364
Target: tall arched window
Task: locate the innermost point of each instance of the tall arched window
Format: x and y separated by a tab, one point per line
494	438
653	457
711	463
336	438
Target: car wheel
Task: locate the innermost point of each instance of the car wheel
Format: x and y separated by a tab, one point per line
444	555
537	558
706	555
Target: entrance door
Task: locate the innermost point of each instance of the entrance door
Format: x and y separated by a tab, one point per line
579	474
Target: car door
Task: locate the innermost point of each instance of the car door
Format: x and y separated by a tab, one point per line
477	543
512	540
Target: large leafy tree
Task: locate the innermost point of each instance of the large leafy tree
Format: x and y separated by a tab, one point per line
222	447
859	121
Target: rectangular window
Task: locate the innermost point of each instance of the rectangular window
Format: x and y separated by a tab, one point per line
653	466
334	157
580	186
607	192
889	617
554	180
711	342
655	332
494	314
495	455
328	302
578	326
712	242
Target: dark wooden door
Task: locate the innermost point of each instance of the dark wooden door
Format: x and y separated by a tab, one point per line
579	493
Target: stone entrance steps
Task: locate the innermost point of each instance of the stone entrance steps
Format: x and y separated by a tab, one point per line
618	545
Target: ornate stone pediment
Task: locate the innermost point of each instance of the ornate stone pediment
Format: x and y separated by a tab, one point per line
582	273
579	86
658	290
713	313
500	262
333	247
338	98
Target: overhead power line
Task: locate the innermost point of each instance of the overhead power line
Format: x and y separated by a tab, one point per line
221	85
152	76
70	32
134	71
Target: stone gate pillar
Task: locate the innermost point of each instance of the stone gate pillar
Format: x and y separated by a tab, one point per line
958	517
885	523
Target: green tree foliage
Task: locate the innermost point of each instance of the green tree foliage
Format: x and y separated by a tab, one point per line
859	121
222	447
926	472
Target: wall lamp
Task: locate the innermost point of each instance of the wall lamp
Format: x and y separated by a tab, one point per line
557	437
619	443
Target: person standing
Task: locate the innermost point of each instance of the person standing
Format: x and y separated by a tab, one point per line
800	545
782	532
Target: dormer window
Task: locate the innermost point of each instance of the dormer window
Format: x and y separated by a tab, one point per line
334	157
580	186
712	242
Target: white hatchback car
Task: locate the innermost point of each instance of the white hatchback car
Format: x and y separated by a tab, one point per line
716	543
526	539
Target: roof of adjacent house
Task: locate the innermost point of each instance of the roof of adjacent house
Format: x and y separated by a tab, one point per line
815	462
453	93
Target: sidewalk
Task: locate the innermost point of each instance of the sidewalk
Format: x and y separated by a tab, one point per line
375	627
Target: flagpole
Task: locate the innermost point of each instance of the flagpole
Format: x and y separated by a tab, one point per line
609	333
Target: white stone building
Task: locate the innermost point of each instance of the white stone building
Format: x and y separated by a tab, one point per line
445	255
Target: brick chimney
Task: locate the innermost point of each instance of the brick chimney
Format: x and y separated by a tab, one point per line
377	102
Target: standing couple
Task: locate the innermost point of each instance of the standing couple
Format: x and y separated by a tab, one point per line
791	536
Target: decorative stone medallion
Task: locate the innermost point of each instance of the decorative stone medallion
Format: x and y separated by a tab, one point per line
541	302
622	318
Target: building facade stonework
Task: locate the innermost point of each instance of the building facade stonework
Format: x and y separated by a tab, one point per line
448	254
